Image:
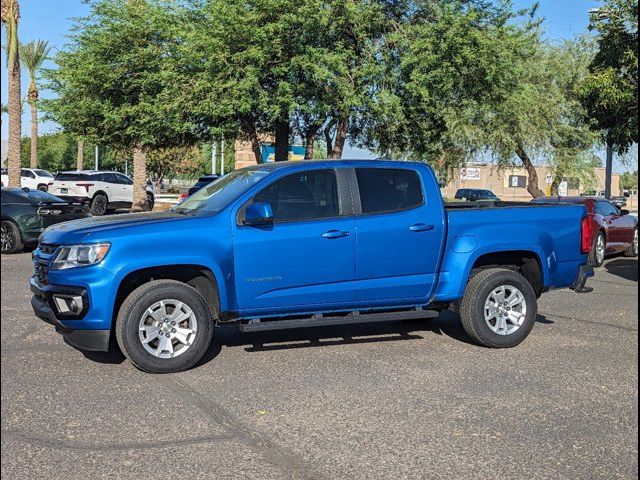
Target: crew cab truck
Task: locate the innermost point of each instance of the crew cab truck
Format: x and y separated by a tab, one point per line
297	244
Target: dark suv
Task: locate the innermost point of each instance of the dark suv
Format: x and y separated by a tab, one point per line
475	194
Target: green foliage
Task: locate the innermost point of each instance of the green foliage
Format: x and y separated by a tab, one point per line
629	180
610	91
118	81
33	55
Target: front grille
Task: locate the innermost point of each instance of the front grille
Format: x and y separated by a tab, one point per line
41	271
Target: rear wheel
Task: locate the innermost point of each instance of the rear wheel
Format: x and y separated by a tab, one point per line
164	326
99	204
499	308
598	250
11	240
150	201
43	187
632	251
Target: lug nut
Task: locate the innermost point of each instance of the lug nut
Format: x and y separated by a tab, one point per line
173	323
173	330
167	335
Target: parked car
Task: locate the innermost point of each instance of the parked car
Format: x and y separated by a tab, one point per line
203	181
31	178
297	244
26	213
620	201
103	191
475	194
613	230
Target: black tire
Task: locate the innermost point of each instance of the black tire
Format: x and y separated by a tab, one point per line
593	254
472	307
632	251
11	238
99	204
150	201
132	311
43	187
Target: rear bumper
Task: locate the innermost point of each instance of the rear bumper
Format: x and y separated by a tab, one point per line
73	199
41	302
585	272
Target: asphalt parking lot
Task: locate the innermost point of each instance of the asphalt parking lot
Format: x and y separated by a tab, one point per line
393	400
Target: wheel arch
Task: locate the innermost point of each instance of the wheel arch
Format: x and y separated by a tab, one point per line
199	277
525	262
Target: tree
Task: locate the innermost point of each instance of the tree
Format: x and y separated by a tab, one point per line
168	162
119	83
32	56
10	14
610	91
629	180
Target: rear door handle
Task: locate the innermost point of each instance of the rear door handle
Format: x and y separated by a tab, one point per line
421	227
335	234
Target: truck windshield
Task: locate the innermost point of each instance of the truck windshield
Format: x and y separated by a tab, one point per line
216	196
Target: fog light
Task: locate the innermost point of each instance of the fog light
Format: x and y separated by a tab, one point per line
68	304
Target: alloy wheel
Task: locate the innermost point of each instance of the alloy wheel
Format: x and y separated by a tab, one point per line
505	310
7	238
167	328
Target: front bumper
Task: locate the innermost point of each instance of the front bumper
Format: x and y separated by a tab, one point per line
585	272
44	308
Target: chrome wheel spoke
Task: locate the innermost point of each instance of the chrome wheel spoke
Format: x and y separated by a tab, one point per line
505	310
164	334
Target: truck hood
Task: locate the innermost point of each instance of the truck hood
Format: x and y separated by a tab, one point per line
99	227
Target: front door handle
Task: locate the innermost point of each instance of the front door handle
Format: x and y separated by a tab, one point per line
335	234
421	227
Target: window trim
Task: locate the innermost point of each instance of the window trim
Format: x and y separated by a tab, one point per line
345	205
355	189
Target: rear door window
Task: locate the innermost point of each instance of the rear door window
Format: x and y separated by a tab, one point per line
302	196
388	190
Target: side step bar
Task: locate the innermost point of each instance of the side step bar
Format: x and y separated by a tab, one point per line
320	321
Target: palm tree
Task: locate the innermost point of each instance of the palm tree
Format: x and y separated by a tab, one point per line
32	55
10	14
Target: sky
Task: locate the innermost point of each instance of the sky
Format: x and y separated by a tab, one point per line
51	20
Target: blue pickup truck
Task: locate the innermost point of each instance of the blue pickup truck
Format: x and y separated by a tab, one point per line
297	244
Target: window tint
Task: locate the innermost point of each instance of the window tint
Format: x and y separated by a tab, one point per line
123	179
606	209
304	195
72	177
27	174
43	173
388	190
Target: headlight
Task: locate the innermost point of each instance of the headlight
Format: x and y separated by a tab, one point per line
79	256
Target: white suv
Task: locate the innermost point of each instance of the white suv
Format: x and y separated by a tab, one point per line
103	190
31	178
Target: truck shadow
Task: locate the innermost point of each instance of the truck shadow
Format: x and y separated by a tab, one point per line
626	268
448	324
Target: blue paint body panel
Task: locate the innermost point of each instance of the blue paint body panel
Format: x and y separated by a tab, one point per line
398	259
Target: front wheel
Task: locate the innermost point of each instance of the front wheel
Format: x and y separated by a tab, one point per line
598	250
150	201
164	326
499	308
632	251
11	240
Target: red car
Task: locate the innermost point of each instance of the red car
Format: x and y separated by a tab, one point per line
612	230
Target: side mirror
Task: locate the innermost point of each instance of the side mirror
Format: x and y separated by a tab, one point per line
258	214
624	212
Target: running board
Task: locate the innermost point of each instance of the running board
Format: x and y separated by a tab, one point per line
258	325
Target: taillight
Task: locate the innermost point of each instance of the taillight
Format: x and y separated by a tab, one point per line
586	235
85	185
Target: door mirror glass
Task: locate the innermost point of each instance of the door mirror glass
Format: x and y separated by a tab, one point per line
624	212
258	213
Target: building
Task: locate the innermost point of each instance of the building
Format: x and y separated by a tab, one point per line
511	183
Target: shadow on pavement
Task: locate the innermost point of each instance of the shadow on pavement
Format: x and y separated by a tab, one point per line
626	268
448	324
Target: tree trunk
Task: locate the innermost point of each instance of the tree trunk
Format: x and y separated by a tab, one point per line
532	184
282	140
555	185
33	162
608	170
309	140
328	137
249	127
15	100
139	180
80	156
341	137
